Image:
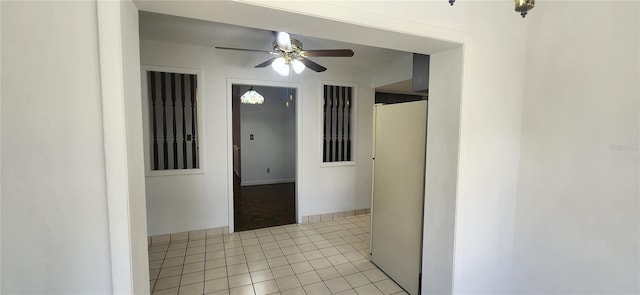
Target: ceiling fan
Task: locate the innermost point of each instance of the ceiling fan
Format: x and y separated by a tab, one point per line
288	52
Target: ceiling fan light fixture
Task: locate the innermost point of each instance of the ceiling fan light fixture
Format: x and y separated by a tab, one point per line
284	71
280	66
252	97
284	41
278	63
297	66
290	54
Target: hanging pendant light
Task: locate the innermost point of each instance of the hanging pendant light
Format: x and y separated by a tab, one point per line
252	97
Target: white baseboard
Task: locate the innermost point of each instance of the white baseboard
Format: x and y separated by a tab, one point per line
187	235
334	215
266	181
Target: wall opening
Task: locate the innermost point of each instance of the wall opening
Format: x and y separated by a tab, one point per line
371	36
264	157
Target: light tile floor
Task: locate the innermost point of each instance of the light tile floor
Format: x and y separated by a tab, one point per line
314	258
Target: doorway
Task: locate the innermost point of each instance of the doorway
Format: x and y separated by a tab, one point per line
264	156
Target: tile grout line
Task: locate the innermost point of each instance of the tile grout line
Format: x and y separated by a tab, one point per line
244	254
160	270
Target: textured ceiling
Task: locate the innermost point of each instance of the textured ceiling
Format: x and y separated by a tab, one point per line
159	27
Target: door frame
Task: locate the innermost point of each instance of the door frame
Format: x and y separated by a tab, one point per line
230	173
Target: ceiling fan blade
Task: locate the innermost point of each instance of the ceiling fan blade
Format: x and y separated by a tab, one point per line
266	63
329	52
284	41
244	49
312	65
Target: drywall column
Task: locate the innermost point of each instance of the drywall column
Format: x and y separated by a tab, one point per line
441	171
134	142
55	231
122	120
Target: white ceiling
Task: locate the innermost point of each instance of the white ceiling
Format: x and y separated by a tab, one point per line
160	27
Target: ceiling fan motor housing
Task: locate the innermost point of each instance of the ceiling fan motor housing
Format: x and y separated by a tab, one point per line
289	54
296	46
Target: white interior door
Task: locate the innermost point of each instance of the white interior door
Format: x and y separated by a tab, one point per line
398	191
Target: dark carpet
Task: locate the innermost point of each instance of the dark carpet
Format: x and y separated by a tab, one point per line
260	206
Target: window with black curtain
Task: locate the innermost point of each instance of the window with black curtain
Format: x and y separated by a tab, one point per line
338	123
173	120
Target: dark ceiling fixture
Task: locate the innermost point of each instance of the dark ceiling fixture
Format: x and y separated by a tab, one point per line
289	54
522	6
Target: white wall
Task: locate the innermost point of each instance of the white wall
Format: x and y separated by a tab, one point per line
393	71
55	236
190	202
273	126
577	215
492	230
